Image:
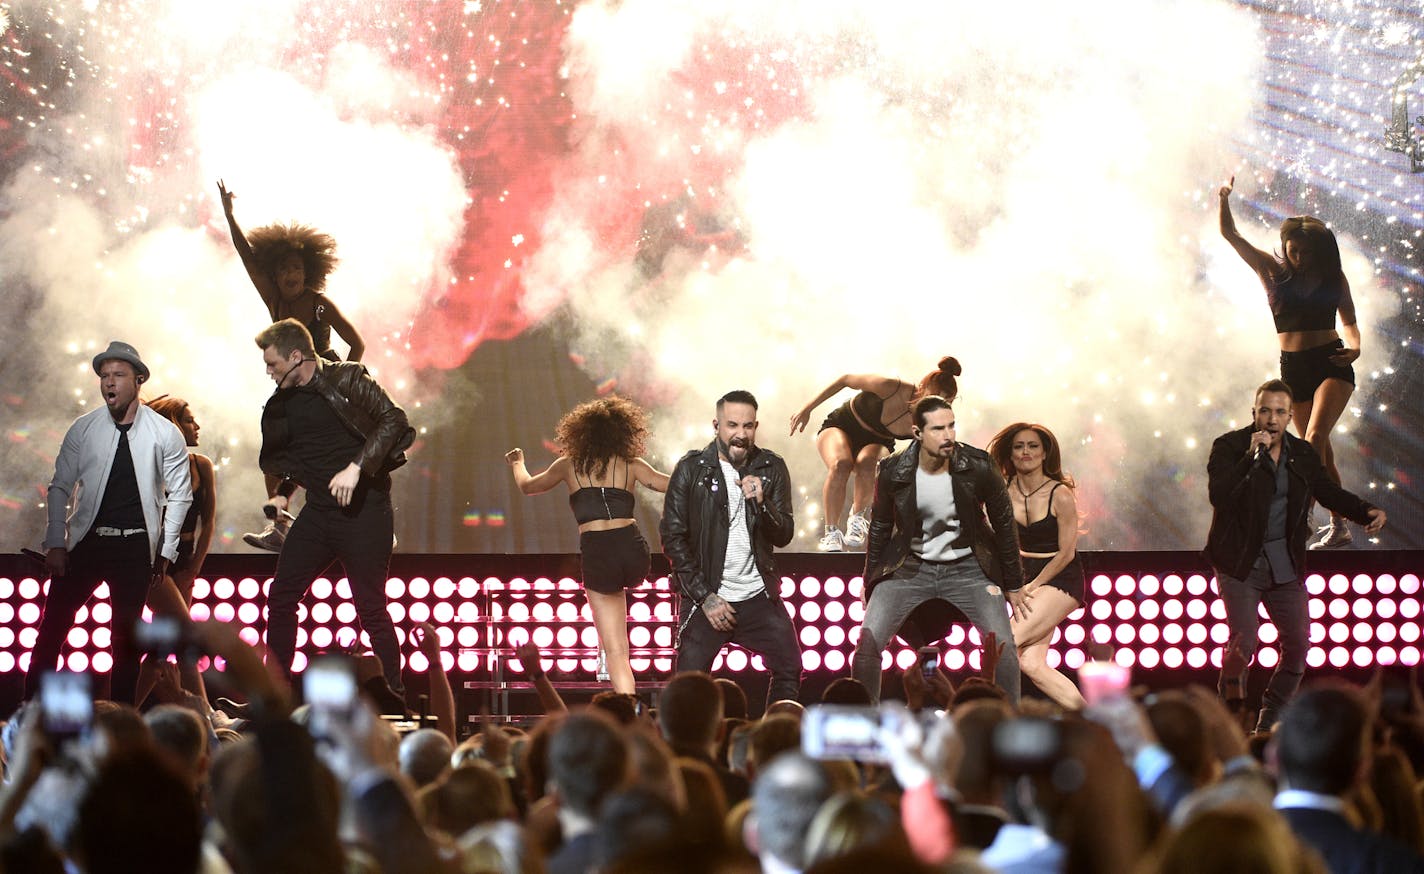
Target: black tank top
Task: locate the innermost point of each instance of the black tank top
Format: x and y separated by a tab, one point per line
1040	536
591	503
318	327
869	407
1295	311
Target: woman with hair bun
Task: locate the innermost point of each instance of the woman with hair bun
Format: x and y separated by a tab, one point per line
860	432
1305	288
602	442
1046	518
173	596
288	265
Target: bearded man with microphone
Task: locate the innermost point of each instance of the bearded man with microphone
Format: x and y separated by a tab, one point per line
331	429
728	507
1262	482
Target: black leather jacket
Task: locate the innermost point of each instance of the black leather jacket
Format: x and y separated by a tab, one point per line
364	409
1241	492
696	520
978	488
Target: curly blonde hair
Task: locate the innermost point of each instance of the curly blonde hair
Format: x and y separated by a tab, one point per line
272	243
594	433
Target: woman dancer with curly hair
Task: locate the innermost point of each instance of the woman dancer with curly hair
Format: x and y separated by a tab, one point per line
602	441
174	594
1046	516
1305	288
288	265
860	432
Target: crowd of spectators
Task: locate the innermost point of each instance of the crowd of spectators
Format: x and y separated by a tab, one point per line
956	779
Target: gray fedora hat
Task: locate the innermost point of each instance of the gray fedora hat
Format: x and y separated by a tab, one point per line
120	351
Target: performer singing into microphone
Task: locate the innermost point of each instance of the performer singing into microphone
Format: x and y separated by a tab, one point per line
332	430
728	506
288	265
1261	481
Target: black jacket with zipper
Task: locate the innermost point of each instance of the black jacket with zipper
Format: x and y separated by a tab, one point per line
1241	490
363	408
978	489
696	520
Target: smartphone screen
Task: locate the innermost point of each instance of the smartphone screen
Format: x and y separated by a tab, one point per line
67	701
329	685
929	661
1103	681
830	731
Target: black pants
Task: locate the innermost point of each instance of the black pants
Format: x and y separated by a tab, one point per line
125	564
762	628
359	536
1288	606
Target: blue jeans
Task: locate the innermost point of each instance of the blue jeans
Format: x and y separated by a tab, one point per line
961	583
1288	605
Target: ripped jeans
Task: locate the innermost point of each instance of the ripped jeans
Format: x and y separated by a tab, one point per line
961	583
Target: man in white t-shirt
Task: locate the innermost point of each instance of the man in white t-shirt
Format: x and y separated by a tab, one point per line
930	539
728	506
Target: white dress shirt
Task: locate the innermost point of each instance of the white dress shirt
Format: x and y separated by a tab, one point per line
81	471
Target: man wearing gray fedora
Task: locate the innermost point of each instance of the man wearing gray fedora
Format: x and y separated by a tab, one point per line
120	491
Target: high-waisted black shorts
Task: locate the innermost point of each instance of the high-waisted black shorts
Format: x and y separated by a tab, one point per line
614	560
1305	370
860	436
1070	579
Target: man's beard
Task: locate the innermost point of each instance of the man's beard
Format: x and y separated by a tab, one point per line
726	448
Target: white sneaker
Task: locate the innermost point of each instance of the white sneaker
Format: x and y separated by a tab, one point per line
832	541
857	532
270	538
1335	535
602	672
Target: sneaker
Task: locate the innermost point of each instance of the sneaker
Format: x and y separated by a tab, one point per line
602	672
271	538
1396	140
832	541
1335	535
857	532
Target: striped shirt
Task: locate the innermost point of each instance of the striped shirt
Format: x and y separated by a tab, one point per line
740	578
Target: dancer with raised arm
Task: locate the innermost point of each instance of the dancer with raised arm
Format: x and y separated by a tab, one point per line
173	595
1046	517
288	265
857	434
1306	287
602	443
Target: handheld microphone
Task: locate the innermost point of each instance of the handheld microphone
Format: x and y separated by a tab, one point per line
752	506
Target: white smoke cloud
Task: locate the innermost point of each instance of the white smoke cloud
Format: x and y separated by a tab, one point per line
1030	188
118	240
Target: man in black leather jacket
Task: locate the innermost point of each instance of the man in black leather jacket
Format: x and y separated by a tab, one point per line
721	549
1261	482
330	428
929	538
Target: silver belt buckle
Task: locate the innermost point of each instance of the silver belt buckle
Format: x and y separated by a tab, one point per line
107	531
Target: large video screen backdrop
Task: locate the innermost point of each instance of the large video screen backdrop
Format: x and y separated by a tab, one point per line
539	202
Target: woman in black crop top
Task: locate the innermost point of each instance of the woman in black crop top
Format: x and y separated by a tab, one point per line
1046	516
601	442
860	432
288	265
1306	287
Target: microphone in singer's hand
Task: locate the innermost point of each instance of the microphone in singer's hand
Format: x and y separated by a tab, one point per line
752	505
1262	449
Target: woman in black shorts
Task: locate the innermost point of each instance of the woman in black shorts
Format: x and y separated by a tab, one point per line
173	596
860	432
1306	288
1046	515
601	443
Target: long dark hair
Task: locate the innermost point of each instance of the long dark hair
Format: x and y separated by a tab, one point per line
1311	233
1001	449
594	433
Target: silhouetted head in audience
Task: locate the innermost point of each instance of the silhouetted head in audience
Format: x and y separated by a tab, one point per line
690	713
1322	738
785	798
182	737
1181	731
771	737
466	797
851	821
734	699
138	815
1233	839
846	690
588	761
785	707
425	756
